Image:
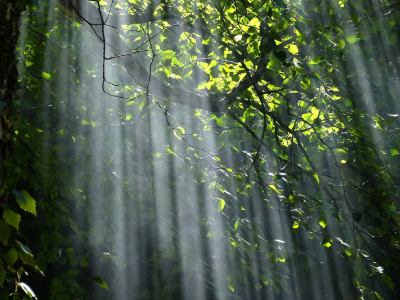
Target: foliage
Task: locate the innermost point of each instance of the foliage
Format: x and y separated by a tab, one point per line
267	112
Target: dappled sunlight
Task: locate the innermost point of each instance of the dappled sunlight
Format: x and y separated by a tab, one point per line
208	150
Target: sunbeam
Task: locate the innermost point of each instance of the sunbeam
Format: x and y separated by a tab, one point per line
209	149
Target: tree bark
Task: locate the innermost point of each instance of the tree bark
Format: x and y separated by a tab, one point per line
9	18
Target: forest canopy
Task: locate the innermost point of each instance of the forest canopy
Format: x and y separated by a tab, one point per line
209	149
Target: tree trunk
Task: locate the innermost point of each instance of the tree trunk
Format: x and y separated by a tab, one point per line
9	17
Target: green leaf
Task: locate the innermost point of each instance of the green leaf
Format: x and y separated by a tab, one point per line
341	44
11	257
221	205
27	203
46	76
100	281
254	22
236	224
181	130
171	152
305	83
293	49
322	221
296	225
326	242
231	282
282	25
11	218
72	273
387	280
4	232
176	62
202	85
351	39
316	177
27	258
275	35
166	53
274	188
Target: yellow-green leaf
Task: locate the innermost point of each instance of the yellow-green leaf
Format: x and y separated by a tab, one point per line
296	225
29	204
46	76
202	85
351	39
316	177
11	218
221	205
231	282
254	22
326	242
171	152
293	49
181	129
348	252
322	221
274	188
176	62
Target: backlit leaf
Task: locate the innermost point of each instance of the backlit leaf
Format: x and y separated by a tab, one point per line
11	218
351	39
100	281
221	205
322	221
46	76
27	203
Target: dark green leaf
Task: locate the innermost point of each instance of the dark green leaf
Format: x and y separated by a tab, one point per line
281	55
